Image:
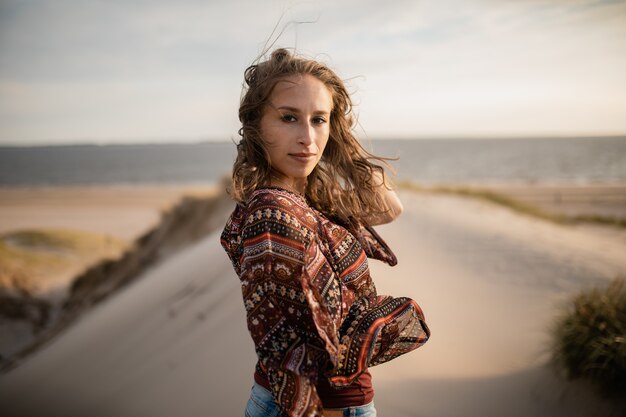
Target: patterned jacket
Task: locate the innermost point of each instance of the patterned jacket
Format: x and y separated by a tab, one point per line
312	307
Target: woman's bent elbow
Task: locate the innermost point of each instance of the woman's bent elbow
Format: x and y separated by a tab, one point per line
395	209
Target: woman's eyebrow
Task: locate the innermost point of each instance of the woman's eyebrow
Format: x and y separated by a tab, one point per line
296	110
288	108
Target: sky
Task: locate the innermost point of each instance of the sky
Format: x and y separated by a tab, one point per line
132	71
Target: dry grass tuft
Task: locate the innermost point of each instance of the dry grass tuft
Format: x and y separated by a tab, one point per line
32	260
589	338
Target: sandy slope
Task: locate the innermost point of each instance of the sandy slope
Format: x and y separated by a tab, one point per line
175	342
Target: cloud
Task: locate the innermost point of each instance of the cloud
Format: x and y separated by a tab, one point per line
72	69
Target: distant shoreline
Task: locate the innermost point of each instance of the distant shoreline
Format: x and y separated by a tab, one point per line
599	160
52	143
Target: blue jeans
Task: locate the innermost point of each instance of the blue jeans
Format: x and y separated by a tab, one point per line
261	404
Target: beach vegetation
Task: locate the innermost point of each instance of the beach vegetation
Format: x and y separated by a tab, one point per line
514	204
31	258
606	220
589	338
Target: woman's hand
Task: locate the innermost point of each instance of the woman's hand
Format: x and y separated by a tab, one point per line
390	198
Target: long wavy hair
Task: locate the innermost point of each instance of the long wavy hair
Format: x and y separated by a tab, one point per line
342	185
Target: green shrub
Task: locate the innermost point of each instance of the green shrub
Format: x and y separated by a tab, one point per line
590	338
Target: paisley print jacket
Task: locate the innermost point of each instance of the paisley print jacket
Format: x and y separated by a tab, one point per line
312	307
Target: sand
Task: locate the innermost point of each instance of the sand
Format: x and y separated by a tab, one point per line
121	211
489	280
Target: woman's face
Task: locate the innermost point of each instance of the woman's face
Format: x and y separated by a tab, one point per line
295	128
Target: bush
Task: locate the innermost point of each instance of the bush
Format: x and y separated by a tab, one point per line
590	338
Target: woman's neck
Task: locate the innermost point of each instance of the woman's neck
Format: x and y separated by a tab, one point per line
298	187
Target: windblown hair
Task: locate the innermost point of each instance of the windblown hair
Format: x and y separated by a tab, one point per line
342	185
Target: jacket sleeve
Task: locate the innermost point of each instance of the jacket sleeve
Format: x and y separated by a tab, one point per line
291	331
373	245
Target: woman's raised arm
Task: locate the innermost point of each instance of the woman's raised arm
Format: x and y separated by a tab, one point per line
391	199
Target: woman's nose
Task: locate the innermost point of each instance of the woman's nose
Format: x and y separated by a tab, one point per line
306	134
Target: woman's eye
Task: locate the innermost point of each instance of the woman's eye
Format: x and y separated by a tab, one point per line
319	120
288	118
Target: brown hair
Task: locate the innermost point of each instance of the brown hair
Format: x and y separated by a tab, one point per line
342	185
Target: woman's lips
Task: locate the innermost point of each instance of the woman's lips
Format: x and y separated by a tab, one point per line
302	156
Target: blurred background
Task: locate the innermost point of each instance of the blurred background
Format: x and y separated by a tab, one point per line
117	128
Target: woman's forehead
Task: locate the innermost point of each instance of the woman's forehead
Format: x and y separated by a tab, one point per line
301	90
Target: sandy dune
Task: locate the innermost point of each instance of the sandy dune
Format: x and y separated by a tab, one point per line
489	281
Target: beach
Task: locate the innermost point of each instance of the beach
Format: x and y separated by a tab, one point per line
174	341
123	211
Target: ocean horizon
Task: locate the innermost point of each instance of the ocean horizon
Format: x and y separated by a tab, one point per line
567	161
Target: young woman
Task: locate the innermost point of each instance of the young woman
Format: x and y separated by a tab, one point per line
299	239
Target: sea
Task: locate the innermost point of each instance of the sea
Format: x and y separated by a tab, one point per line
559	161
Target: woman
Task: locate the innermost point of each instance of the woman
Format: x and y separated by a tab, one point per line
299	239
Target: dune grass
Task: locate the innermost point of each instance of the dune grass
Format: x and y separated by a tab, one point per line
513	204
589	338
31	258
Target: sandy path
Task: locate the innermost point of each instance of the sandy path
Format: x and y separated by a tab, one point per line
175	343
490	282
